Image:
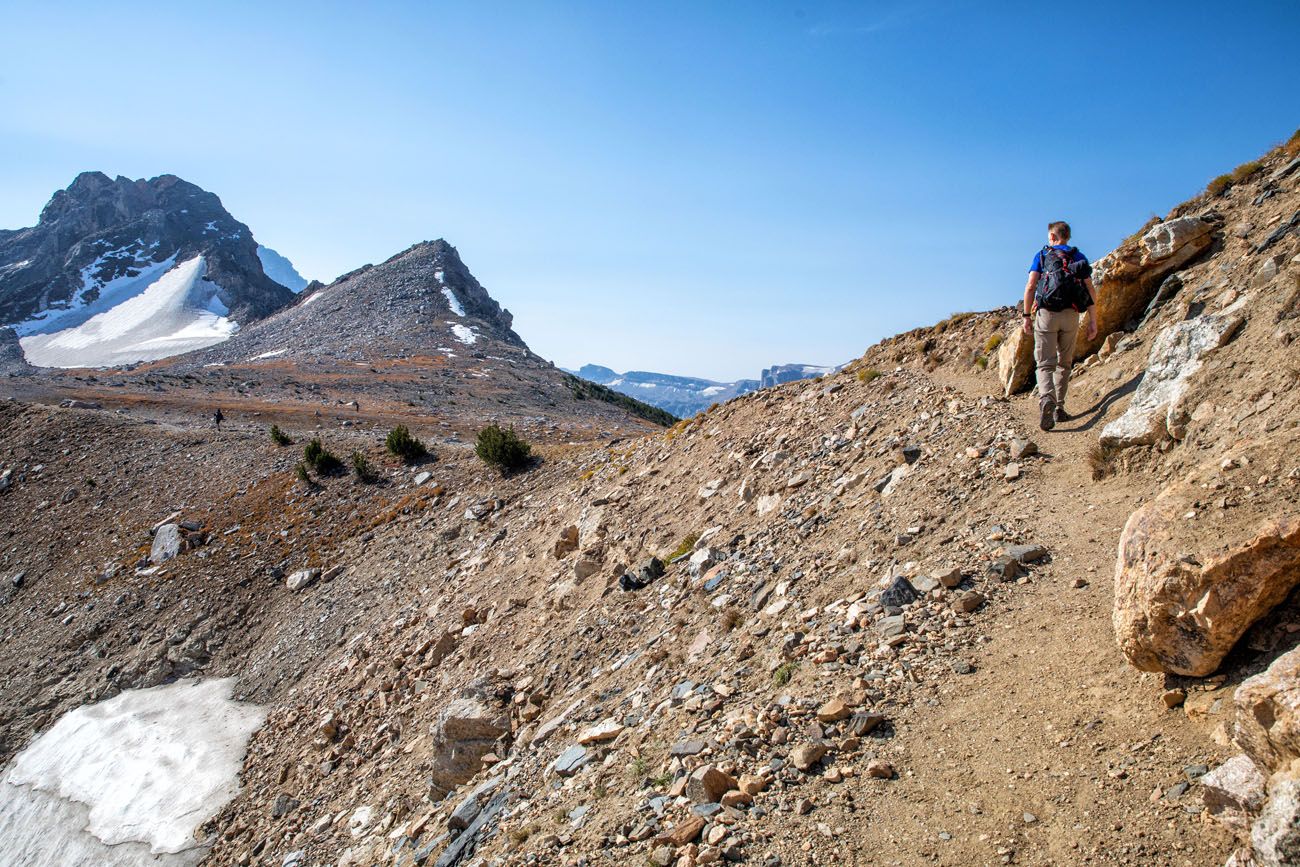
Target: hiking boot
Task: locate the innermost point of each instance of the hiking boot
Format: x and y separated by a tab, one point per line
1047	413
1062	415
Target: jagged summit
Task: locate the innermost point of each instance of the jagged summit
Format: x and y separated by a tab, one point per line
120	270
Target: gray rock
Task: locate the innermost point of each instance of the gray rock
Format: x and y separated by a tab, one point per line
472	803
166	544
899	594
302	579
571	761
688	748
1006	567
888	627
283	805
1026	554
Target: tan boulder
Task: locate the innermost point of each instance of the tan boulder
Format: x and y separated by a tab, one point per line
1015	359
1267	726
1190	580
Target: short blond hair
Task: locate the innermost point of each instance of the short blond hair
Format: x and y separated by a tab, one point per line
1060	229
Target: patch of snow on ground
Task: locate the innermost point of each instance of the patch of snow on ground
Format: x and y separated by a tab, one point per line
463	333
712	390
172	314
272	354
438	275
211	226
452	301
312	297
128	780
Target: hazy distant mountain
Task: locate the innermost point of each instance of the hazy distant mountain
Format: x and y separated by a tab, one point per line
280	269
118	271
682	396
780	373
685	396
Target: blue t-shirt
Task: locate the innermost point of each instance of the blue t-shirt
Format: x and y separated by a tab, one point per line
1037	267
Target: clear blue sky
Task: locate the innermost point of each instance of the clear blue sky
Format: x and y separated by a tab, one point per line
702	188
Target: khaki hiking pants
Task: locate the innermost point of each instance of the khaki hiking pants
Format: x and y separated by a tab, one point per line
1054	336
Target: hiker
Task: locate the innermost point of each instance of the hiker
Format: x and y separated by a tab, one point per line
218	418
1058	295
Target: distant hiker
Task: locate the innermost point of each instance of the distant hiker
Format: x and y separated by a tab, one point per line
218	418
1058	294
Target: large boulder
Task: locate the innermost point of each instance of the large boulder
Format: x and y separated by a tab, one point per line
1267	726
1190	579
167	542
1177	352
1015	359
464	732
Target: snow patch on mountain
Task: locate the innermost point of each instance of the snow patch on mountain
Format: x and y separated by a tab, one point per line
162	310
280	269
128	780
463	333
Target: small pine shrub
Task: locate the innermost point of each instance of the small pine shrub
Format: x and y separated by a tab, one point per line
365	472
320	458
503	449
301	471
402	445
994	341
279	437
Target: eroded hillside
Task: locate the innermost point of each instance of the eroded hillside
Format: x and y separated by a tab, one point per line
882	632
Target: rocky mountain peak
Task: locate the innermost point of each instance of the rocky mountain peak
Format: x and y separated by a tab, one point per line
101	233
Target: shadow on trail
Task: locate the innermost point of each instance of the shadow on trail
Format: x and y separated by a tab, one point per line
1097	411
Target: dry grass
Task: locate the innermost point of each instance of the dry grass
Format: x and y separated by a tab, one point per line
1292	146
732	617
994	341
1101	459
868	374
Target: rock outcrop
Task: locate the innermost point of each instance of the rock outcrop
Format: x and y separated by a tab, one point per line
1190	580
1176	355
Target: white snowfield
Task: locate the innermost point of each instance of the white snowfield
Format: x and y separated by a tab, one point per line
164	310
464	333
128	780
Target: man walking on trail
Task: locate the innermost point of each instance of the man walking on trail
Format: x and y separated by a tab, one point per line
1058	295
218	418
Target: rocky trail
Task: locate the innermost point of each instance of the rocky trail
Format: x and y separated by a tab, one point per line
876	618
